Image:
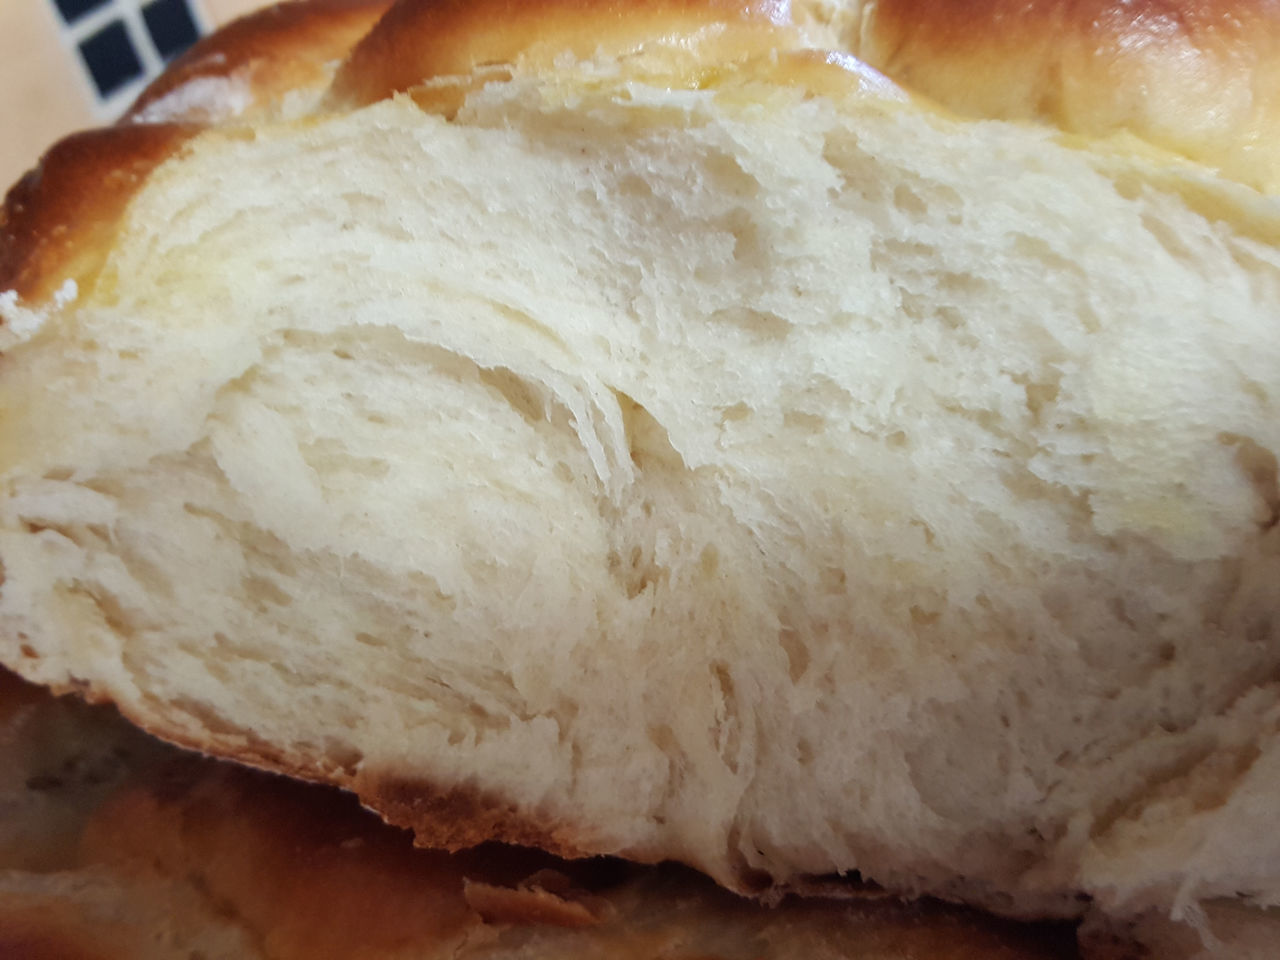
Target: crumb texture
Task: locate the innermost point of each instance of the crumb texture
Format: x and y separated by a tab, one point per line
781	484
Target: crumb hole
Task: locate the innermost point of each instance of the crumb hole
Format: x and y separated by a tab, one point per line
809	423
796	651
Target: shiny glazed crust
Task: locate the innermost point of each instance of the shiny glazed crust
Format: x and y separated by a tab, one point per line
419	41
59	220
1198	77
276	51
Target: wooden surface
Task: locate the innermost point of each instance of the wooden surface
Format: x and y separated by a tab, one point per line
43	91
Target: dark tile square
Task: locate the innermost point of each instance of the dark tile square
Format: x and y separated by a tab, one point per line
111	59
171	26
73	10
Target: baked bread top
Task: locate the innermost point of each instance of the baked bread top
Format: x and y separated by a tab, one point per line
1201	79
1196	78
647	429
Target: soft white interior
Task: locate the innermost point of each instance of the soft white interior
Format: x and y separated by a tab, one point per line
767	482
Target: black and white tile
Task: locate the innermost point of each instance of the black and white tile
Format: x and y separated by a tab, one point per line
121	44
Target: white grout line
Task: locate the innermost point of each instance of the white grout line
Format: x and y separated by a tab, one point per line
200	16
90	23
131	13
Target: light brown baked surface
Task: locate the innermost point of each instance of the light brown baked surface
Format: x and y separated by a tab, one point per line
115	846
58	221
274	52
1199	77
417	42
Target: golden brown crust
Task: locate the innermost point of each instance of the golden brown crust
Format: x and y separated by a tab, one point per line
451	819
275	51
1199	77
422	39
50	935
533	902
441	818
303	863
58	221
305	867
460	818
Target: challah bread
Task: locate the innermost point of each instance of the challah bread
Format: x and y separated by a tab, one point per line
661	436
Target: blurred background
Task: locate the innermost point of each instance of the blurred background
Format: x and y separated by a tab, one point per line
70	64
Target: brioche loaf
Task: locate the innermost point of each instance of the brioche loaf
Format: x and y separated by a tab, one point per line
643	428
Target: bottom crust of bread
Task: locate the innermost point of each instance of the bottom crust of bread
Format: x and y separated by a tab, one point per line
115	845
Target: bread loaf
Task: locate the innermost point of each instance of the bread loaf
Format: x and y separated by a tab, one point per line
643	428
